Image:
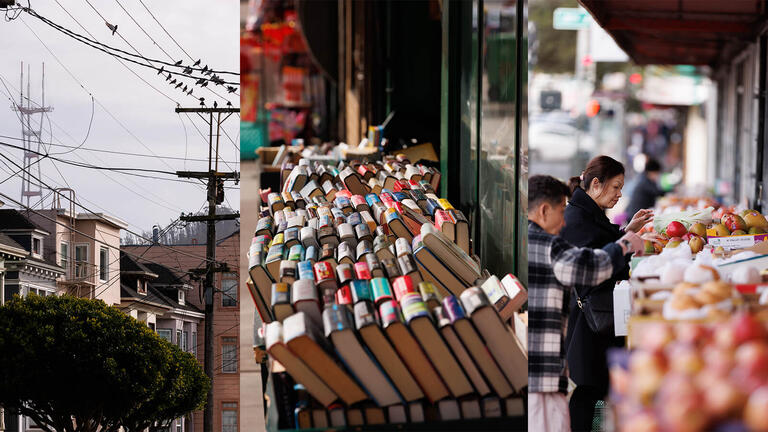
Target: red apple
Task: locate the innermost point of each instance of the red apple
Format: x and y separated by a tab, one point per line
723	399
733	222
756	411
692	333
676	229
685	359
752	359
747	328
718	361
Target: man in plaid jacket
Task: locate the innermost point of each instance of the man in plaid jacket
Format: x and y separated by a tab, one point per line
554	268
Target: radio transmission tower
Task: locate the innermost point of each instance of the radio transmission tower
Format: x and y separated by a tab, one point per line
31	136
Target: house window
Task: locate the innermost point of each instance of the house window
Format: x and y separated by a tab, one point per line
141	287
64	255
229	355
194	343
151	326
178	338
37	246
184	341
229	290
229	417
103	263
165	334
179	425
81	260
181	297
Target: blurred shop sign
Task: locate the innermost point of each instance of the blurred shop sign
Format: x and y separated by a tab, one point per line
571	19
602	47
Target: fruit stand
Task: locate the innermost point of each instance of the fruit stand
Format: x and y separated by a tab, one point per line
695	312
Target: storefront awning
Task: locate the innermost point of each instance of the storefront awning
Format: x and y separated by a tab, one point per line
693	32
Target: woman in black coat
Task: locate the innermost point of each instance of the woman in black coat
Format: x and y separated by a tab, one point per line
586	225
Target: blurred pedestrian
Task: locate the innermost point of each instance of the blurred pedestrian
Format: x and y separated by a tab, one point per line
647	189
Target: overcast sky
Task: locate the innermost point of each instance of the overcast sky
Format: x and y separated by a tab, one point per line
206	30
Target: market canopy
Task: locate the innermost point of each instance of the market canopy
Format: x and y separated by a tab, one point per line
694	32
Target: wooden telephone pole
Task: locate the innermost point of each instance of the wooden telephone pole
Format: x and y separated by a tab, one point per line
215	196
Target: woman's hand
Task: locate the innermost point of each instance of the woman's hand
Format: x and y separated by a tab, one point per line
639	220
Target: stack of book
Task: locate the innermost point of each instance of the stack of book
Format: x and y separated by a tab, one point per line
375	312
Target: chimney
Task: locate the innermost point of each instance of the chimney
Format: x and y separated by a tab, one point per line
155	234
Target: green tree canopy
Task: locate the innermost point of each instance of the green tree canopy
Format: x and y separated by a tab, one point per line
73	364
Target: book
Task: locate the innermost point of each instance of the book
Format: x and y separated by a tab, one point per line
397	414
261	280
337	415
273	260
354	219
381	247
288	200
408	267
324	276
402	247
297	253
390	268
517	293
328	254
445	224
419	320
353	182
347	234
262	307
396	225
450	254
381	290
416	412
361	291
386	179
330	190
304	298
343	203
364	248
296	367
319	418
491	406
275	202
288	271
401	286
521	328
374	265
362	271
355	416
302	339
514	407
411	352
264	226
358	201
339	329
458	349
429	294
304	270
344	273
435	271
311	190
374	415
363	233
470	338
343	296
285	396
470	408
298	199
375	185
345	254
461	228
501	342
449	409
281	301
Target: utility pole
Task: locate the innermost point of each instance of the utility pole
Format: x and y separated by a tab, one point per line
215	196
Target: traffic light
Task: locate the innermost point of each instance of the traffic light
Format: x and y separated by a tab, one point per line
593	108
219	191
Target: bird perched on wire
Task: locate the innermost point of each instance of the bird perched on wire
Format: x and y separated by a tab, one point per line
187	70
231	89
111	27
185	88
196	63
229	104
162	69
202	101
173	82
177	63
168	78
179	85
189	92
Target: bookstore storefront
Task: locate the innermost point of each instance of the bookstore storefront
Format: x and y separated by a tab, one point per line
455	81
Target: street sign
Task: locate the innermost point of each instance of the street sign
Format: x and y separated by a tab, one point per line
570	19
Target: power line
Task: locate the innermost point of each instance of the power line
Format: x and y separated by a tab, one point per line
166	31
142	29
130	56
102	217
91	149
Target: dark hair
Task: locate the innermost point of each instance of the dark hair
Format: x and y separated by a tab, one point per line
652	165
602	168
546	188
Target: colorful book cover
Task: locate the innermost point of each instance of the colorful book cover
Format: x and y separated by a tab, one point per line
413	307
381	289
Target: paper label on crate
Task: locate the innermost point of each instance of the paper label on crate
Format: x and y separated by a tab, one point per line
737	242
